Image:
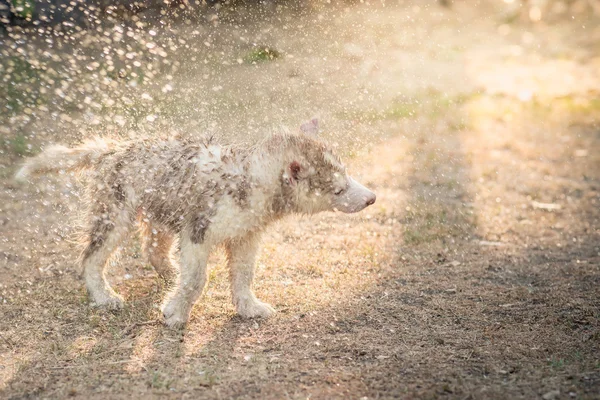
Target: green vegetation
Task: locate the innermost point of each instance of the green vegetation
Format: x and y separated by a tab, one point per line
23	8
432	104
159	381
556	363
261	54
19	77
18	145
395	111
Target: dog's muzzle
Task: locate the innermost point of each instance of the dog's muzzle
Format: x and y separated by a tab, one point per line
355	198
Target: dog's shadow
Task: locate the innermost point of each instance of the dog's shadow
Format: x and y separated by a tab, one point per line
206	345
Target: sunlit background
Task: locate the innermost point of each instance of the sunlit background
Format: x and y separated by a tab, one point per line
475	275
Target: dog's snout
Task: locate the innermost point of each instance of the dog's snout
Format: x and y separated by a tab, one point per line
371	199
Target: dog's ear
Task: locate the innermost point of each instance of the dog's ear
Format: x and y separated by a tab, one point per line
293	172
310	127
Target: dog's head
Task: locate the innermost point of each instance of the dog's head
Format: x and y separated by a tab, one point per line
314	178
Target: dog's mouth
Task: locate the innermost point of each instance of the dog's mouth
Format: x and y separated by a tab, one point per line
348	209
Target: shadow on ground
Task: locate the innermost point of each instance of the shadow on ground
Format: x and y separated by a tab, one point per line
475	275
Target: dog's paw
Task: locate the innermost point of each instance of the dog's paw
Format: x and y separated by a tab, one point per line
175	318
109	302
175	322
252	308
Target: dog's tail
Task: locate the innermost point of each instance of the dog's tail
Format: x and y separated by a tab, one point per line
56	158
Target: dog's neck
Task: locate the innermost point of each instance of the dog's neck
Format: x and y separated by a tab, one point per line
265	166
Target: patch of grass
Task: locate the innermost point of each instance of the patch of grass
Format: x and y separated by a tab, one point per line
459	126
16	73
400	110
159	381
432	104
23	8
21	85
415	236
314	270
443	100
426	223
578	356
395	111
369	253
557	363
208	378
438	104
425	226
261	54
575	105
20	70
510	109
19	146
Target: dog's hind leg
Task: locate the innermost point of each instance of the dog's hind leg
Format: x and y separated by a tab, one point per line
157	244
109	227
241	256
192	279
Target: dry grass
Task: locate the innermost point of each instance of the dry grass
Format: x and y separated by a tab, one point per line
457	283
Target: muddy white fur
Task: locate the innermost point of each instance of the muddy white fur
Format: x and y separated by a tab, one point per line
199	194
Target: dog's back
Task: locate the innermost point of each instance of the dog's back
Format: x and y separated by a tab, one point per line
161	177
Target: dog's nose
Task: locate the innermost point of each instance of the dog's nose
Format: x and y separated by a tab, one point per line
371	199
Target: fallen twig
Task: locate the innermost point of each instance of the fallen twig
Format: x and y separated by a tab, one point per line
131	327
97	364
12	346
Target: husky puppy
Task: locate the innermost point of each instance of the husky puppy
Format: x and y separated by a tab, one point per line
200	194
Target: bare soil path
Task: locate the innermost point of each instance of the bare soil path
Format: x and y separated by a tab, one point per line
475	275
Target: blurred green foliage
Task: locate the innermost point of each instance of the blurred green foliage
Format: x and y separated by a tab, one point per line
23	8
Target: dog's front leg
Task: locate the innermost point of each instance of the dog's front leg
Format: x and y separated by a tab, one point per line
242	258
192	279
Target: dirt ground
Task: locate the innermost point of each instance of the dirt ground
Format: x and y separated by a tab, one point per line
475	275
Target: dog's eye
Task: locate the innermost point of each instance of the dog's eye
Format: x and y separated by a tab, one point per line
338	192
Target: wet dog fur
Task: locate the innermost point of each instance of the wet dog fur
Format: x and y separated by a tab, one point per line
199	194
